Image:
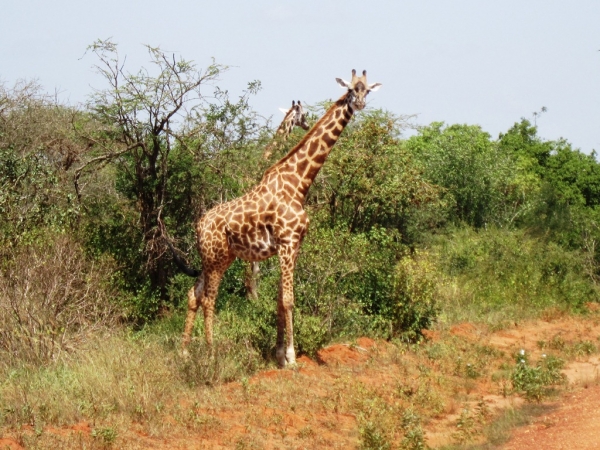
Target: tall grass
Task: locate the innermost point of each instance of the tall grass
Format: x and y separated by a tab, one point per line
117	378
52	300
499	275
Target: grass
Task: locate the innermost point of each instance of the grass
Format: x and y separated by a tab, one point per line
525	277
118	380
128	381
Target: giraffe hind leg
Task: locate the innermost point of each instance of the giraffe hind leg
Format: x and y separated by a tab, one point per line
209	297
194	298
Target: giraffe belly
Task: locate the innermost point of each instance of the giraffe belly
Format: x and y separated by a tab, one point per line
251	247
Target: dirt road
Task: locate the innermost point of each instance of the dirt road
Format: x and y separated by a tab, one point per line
571	424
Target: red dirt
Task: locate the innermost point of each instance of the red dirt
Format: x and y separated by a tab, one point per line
307	407
9	444
573	425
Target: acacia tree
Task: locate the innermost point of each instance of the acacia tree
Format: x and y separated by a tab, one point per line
143	115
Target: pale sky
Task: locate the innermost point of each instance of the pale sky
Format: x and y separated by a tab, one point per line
467	61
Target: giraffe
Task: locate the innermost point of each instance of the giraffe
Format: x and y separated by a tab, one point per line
270	219
294	117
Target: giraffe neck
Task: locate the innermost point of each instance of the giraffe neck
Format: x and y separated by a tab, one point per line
286	126
302	164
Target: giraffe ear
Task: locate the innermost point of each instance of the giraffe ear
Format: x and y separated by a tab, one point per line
343	83
373	87
283	110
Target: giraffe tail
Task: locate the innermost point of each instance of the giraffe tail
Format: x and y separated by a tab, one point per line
190	271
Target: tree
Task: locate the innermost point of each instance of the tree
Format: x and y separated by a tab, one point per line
144	116
370	180
482	182
38	148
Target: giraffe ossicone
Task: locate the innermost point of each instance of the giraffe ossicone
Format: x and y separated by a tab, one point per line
270	220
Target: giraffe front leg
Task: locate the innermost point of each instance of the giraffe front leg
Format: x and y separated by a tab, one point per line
280	352
286	355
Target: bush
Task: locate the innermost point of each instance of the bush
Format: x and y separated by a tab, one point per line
534	380
415	292
523	275
51	300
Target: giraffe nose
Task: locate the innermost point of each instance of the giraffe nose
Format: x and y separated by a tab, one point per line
360	104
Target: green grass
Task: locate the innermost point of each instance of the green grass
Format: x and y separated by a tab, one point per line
119	377
500	276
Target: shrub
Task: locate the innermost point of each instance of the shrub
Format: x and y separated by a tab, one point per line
51	299
415	290
523	275
534	381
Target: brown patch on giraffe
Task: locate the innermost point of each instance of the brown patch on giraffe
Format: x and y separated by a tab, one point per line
318	159
329	140
313	148
302	165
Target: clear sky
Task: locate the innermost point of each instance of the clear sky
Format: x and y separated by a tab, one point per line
463	61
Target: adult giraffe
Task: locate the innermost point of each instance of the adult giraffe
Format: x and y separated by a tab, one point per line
294	117
269	220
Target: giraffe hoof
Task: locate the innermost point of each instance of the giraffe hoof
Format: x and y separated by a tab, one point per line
292	365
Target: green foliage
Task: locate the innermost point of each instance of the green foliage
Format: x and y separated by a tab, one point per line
414	437
523	274
373	438
107	436
573	175
415	292
470	423
534	380
29	196
372	181
481	182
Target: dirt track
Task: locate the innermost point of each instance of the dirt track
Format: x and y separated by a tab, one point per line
573	423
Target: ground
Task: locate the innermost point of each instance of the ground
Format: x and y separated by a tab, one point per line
571	423
355	393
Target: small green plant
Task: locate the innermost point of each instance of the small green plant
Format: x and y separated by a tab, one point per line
534	380
414	437
471	422
466	427
415	296
107	436
557	343
373	438
584	348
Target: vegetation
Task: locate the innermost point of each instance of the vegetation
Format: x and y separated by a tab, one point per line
403	231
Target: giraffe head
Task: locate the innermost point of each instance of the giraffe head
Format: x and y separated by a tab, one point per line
297	116
358	89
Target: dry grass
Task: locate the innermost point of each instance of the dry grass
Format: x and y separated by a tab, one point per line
52	299
134	391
